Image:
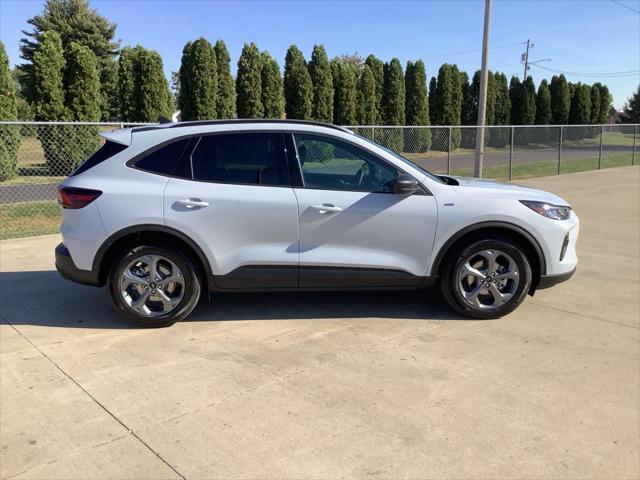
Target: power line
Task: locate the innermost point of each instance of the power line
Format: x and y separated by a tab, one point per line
627	73
625	6
465	52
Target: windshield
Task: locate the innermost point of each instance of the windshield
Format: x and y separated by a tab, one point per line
433	177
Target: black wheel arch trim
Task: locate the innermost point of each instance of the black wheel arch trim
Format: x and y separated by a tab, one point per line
484	225
110	241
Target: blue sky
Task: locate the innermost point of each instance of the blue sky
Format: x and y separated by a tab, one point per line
589	36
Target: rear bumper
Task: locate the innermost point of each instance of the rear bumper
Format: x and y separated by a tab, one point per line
67	269
548	281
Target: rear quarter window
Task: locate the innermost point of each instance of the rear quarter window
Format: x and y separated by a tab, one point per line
164	160
108	150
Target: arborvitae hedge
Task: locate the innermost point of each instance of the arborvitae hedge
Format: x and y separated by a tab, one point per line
366	107
560	100
344	92
432	100
10	137
377	69
249	83
393	102
320	73
272	97
226	94
543	104
605	103
594	116
198	81
143	89
448	100
529	99
416	108
580	113
503	102
298	89
49	63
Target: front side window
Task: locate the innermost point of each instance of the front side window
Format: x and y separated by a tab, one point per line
331	164
243	158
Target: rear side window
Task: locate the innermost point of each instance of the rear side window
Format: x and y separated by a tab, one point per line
164	159
108	150
242	158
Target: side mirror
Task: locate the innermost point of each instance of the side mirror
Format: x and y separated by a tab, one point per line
405	185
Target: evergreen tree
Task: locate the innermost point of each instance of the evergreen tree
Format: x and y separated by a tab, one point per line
594	117
631	111
226	94
432	100
580	112
344	93
154	97
83	84
605	104
198	81
448	103
127	95
503	102
469	114
393	104
49	64
528	102
272	94
83	105
377	69
516	99
249	83
74	21
417	108
298	89
320	73
10	138
543	104
143	89
560	100
366	111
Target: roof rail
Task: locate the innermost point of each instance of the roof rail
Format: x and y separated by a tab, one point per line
196	123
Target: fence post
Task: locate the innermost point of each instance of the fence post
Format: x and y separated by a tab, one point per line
600	154
633	152
449	153
511	154
373	133
560	148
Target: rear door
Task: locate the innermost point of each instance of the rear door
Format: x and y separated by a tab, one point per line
240	207
354	231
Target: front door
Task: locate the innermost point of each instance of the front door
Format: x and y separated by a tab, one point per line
354	231
239	206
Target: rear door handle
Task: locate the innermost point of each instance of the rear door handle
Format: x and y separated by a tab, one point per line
192	203
326	208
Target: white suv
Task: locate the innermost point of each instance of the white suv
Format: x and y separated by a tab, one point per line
163	213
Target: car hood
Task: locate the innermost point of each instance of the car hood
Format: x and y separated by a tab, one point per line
481	187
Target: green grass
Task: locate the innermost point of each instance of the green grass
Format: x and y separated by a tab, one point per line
547	167
29	219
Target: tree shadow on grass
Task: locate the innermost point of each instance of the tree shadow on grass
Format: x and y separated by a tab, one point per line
43	298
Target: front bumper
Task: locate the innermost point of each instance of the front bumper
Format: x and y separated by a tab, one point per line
67	269
548	281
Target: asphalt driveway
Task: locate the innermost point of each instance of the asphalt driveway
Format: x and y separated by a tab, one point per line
333	385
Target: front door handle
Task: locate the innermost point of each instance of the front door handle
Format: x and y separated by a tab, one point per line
326	208
192	203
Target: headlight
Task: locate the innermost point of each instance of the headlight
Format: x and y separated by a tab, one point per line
555	212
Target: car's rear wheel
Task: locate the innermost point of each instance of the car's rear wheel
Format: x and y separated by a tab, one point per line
486	278
154	286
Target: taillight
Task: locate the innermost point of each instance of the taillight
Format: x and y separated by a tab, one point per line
72	197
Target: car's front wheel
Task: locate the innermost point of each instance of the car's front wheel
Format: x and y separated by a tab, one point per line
154	286
486	278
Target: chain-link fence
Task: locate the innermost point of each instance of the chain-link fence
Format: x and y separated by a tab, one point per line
36	157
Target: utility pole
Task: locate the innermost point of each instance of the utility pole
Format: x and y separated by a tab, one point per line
525	59
482	101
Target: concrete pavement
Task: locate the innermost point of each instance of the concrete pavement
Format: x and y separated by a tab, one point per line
333	385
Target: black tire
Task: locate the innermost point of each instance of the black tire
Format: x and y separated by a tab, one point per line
192	286
455	261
